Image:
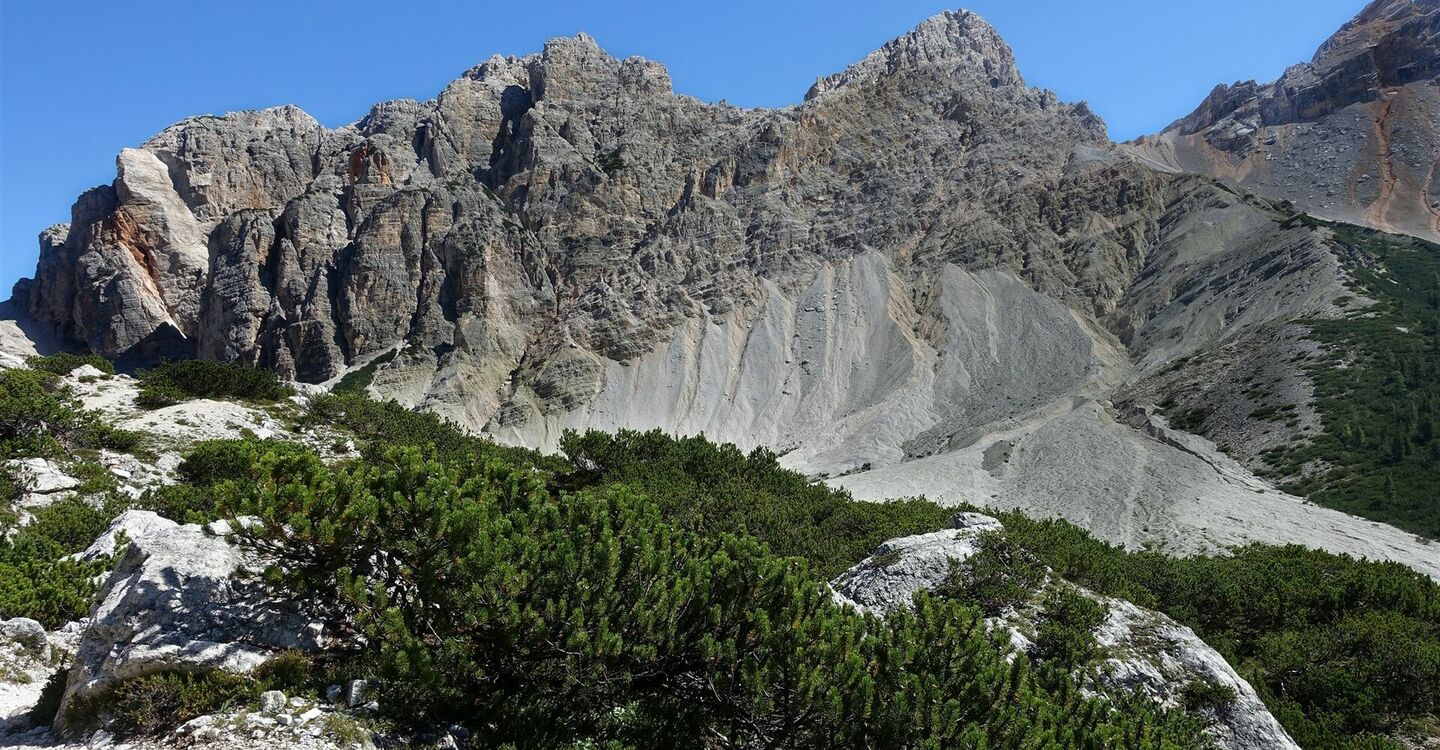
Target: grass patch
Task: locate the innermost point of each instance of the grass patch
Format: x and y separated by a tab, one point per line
155	704
357	381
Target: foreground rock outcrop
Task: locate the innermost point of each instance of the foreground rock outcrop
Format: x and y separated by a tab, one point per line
1145	651
181	598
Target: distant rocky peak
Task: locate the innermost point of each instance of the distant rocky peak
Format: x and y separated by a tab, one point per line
576	53
1399	38
508	68
956	42
1372	25
1349	135
576	67
1389	43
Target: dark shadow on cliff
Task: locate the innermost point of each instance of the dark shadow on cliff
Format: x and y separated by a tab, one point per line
164	343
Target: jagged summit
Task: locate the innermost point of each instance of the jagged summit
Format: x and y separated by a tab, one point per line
563	114
960	42
1390	43
1390	30
956	48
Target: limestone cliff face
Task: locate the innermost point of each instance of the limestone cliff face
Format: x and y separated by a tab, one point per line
1350	135
568	204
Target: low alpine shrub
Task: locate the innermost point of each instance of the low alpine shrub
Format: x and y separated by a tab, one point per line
171	382
64	363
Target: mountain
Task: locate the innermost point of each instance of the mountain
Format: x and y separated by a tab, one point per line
1350	135
927	278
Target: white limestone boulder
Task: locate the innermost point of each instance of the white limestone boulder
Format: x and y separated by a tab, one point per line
1147	651
42	478
131	525
1157	656
899	568
180	600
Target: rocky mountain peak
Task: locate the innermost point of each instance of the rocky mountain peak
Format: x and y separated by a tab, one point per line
1382	24
576	67
957	42
1389	43
924	250
311	249
1348	135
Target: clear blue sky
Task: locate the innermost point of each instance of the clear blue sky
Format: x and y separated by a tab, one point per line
81	80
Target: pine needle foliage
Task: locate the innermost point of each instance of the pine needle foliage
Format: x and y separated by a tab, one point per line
169	383
1344	652
541	617
40	417
706	487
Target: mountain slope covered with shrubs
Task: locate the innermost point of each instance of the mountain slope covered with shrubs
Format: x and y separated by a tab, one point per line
642	590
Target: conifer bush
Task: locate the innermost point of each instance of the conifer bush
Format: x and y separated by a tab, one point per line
1000	575
1344	652
47	589
707	487
1376	388
39	417
651	590
1205	695
169	383
37	578
63	363
542	616
1065	628
379	425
